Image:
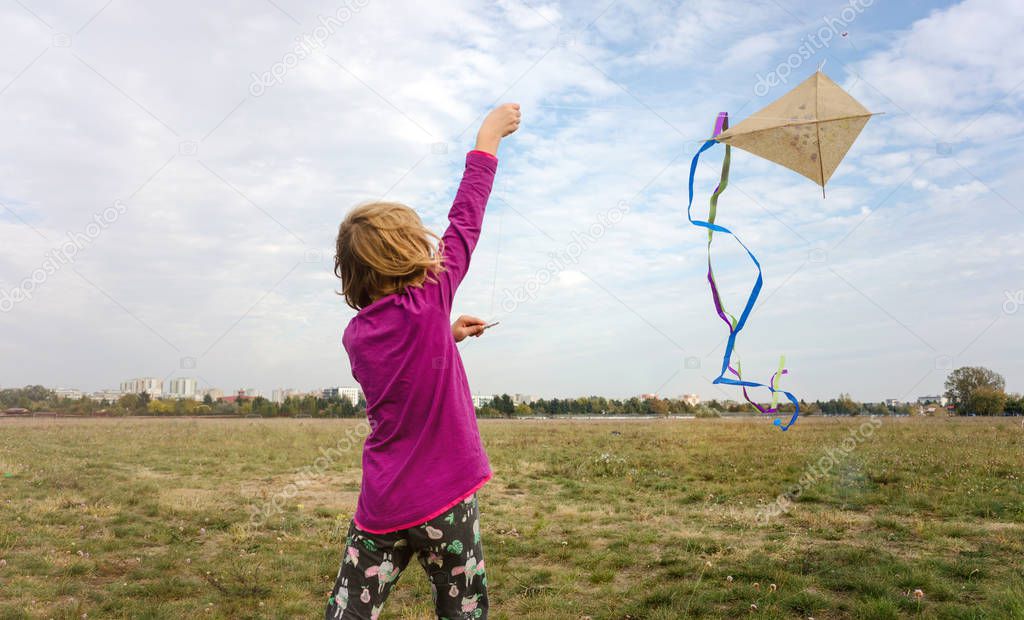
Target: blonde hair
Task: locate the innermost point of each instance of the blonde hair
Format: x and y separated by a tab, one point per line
383	248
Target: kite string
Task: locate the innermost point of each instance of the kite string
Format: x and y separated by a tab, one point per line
735	325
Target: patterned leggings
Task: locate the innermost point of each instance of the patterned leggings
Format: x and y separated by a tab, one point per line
447	547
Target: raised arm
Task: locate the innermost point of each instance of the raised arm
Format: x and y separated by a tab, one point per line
467	213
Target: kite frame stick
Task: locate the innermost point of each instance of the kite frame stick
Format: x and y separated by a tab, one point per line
796	123
817	132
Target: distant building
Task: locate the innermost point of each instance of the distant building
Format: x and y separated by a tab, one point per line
350	393
73	394
150	385
279	395
240	397
481	401
282	394
893	402
928	400
251	392
690	399
522	399
182	388
213	393
648	397
105	395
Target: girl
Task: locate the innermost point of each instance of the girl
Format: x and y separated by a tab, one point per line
423	460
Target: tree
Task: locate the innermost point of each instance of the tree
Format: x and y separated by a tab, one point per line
876	409
262	407
809	408
504	404
656	406
963	382
160	407
848	406
704	411
225	408
987	400
29	397
129	403
905	409
1015	404
488	411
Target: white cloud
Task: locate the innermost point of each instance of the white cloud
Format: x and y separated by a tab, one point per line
203	256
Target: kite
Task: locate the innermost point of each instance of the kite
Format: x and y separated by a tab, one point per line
808	130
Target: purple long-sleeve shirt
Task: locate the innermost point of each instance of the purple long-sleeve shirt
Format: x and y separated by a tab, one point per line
424	454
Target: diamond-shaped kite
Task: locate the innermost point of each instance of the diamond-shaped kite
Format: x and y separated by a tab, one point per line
808	130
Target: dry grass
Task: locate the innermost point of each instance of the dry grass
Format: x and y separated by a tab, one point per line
146	518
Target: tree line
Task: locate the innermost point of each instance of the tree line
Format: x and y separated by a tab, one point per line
970	390
502	406
39	398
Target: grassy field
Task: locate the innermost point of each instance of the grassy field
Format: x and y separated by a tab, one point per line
146	518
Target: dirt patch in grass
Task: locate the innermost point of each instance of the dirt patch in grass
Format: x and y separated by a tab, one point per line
192	500
330	491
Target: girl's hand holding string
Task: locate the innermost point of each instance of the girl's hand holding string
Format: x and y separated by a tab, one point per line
467	325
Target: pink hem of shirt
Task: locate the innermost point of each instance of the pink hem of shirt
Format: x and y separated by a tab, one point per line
494	157
431	515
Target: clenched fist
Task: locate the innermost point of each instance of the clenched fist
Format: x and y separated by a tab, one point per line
499	123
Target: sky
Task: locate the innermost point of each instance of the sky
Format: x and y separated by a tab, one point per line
174	175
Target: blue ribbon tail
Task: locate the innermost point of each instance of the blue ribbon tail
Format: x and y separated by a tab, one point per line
747	309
